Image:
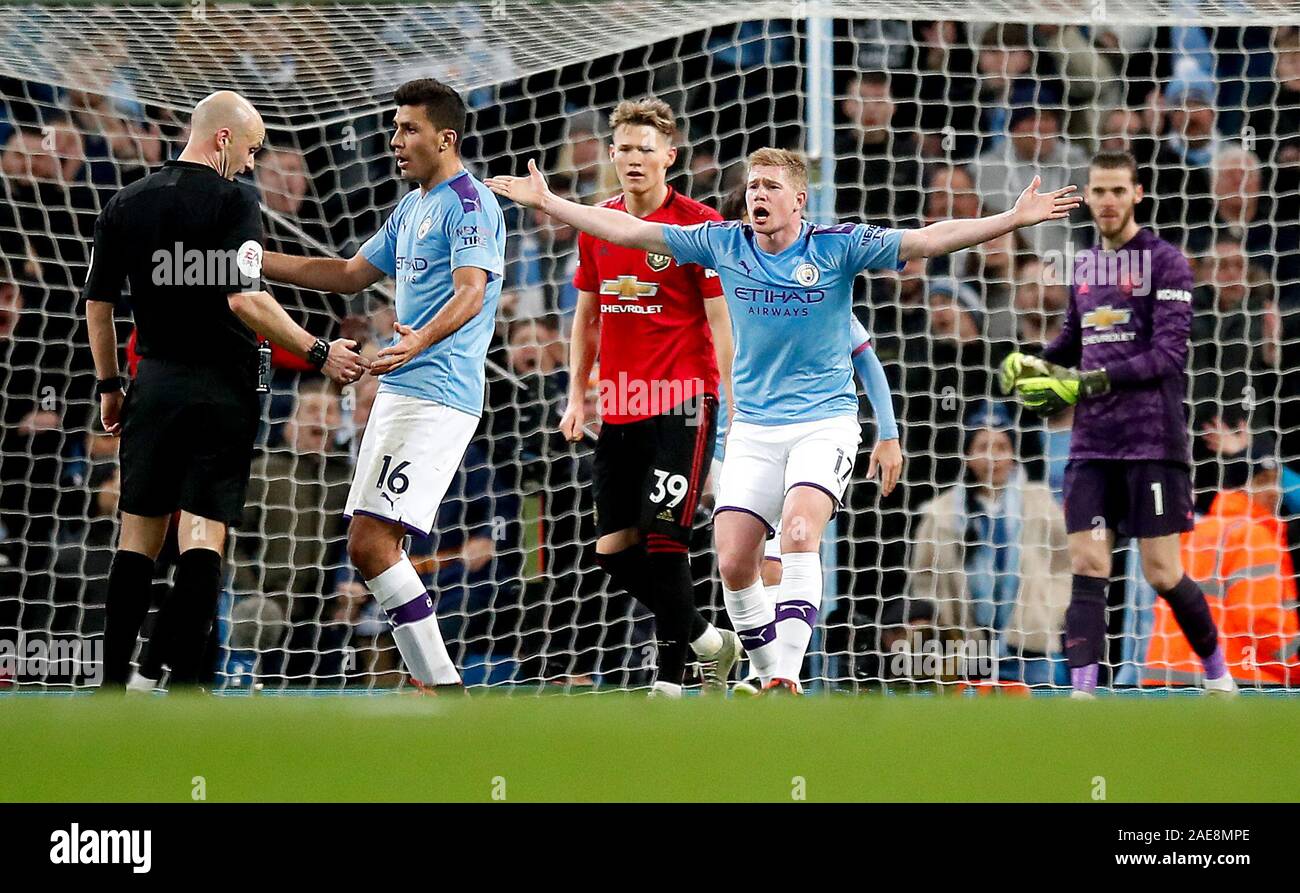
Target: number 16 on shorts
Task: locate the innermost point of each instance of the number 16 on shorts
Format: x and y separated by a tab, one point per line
393	480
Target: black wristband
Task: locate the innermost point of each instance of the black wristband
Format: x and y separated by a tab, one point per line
109	385
319	353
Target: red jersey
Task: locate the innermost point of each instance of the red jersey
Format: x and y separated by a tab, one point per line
656	348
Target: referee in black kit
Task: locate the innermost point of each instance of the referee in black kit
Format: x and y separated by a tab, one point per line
189	241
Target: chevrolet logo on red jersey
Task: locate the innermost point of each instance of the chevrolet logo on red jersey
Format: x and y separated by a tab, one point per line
1105	317
629	288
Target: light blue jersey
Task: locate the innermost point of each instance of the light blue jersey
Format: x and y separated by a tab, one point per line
790	312
869	371
457	223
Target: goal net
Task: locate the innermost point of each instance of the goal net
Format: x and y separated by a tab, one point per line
958	578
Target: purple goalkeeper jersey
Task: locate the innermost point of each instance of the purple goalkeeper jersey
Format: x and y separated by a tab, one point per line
1131	313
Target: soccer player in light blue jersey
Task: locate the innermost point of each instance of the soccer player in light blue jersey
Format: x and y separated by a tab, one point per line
791	446
444	244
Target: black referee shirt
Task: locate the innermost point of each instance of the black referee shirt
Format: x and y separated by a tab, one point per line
185	238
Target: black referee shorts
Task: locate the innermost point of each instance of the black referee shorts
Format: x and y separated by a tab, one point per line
187	441
649	474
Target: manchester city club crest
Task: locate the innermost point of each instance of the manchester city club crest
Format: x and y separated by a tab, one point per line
425	225
806	275
657	262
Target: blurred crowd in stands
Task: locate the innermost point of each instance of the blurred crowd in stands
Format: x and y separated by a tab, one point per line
933	120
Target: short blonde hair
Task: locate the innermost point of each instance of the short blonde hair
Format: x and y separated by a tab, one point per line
648	112
794	164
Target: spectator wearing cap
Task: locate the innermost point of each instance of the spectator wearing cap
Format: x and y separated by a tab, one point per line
1238	554
989	555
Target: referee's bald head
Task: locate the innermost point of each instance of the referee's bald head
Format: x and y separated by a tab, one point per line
225	131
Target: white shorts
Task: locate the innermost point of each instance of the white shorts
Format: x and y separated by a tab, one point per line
772	547
764	461
409	454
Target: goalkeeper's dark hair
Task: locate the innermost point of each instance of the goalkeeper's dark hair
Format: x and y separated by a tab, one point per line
1116	160
442	105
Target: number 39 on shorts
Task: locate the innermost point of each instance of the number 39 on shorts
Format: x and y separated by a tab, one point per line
667	485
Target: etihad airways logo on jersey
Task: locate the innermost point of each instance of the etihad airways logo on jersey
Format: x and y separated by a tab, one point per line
412	264
778	301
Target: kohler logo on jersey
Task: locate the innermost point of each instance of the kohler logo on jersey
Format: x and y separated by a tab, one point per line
90	847
1128	269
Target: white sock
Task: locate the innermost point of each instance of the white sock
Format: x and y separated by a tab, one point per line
708	644
752	616
797	610
415	627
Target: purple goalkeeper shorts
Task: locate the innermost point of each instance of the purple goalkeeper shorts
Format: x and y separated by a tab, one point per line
1139	498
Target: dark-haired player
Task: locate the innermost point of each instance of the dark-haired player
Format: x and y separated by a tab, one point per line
444	244
1126	337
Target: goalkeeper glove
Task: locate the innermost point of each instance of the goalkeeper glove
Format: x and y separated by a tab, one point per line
1060	387
1017	366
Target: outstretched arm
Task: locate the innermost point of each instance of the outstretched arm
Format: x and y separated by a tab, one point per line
952	235
344	277
603	223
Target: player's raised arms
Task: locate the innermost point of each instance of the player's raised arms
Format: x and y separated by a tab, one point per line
603	223
946	236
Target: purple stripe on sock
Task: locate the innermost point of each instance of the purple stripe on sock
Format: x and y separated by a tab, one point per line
797	610
758	636
417	608
1215	665
1084	678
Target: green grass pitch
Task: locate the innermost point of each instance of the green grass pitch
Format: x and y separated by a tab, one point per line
619	747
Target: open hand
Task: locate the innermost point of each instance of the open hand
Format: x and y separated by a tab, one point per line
1035	207
530	191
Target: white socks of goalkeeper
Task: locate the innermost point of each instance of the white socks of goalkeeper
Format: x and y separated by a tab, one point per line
796	611
415	627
